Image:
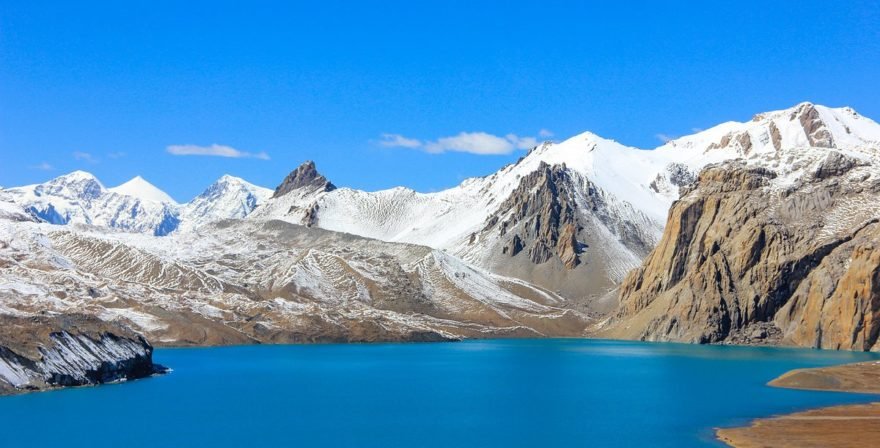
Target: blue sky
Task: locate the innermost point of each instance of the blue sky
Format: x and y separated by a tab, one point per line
121	90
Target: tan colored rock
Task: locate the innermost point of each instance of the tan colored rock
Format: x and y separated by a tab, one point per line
744	259
813	126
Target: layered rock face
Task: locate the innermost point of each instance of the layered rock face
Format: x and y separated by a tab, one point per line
559	230
750	256
50	351
540	218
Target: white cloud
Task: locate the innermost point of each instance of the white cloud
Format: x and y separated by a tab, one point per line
214	150
545	133
116	155
481	143
471	142
664	138
522	142
84	156
44	166
397	140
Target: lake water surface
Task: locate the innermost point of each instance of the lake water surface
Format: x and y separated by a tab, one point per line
497	393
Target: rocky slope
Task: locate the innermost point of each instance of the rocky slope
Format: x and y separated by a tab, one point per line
240	281
46	351
750	254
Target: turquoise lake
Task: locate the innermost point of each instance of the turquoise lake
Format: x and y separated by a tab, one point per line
497	393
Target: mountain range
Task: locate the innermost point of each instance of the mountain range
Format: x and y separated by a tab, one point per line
580	237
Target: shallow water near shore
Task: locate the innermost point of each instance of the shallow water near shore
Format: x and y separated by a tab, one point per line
493	393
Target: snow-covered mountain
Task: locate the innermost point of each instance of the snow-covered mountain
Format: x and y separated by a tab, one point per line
80	198
244	281
61	200
531	250
134	206
228	198
574	216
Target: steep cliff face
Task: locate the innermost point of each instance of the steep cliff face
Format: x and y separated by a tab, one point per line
73	350
540	218
750	256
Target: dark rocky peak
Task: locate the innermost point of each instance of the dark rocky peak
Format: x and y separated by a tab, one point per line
305	176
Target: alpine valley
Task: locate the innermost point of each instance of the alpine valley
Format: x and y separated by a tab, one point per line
757	232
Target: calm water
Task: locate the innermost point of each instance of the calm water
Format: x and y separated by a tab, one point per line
477	393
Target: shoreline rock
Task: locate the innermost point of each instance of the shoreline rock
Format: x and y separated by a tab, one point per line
847	425
48	352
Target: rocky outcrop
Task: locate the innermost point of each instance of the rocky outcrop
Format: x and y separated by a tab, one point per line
835	164
539	217
748	257
741	141
310	217
304	176
69	350
676	175
815	129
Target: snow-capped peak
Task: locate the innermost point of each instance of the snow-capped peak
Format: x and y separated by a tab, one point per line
78	175
228	184
229	197
139	188
229	179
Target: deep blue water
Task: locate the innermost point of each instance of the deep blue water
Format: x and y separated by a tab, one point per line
478	393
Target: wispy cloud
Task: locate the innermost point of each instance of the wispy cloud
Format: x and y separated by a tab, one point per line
43	166
399	141
545	133
85	157
481	143
214	151
665	138
116	155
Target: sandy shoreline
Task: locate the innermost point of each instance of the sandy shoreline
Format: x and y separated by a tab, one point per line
844	426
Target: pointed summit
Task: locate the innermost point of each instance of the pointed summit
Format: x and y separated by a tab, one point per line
305	176
139	188
228	179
